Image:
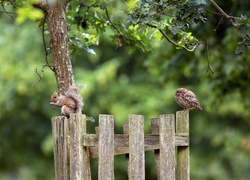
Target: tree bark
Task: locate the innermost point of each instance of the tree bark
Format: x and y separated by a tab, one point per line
55	16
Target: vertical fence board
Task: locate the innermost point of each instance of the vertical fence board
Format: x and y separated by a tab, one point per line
86	154
106	147
155	130
60	134
126	131
183	160
136	148
76	129
167	147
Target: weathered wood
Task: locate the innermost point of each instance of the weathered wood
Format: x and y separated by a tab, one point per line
155	130
151	140
136	148
121	141
126	132
73	147
183	159
106	147
60	134
79	165
167	147
86	155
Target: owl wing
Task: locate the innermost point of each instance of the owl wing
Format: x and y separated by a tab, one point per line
191	98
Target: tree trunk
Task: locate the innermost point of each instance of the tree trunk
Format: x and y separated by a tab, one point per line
57	25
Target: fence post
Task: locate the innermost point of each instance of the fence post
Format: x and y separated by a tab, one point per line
136	148
183	160
106	147
60	134
167	147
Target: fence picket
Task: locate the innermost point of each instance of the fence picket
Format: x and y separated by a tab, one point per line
136	147
155	130
183	162
167	147
77	154
106	147
126	132
60	134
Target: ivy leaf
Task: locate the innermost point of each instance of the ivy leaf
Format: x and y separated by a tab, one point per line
244	31
239	49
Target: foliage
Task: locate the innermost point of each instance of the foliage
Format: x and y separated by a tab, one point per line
120	53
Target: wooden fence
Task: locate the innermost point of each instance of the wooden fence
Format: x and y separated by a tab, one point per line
169	139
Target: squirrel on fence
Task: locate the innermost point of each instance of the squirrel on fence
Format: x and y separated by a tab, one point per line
70	102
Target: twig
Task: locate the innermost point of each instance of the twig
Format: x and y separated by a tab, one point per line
224	13
45	47
113	25
7	12
171	41
13	3
127	39
209	67
46	57
39	75
221	19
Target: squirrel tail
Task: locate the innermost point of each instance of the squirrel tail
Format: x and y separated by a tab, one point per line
72	93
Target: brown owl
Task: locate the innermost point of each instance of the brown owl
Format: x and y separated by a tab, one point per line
187	99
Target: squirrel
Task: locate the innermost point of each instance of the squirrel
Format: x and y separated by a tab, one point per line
69	103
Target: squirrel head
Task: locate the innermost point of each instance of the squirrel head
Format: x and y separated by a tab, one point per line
54	97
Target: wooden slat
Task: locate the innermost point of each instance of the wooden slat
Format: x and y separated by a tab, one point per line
155	130
86	155
136	148
167	147
183	159
126	131
60	134
121	140
151	142
106	148
79	161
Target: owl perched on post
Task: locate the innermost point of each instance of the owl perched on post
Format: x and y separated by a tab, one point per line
187	99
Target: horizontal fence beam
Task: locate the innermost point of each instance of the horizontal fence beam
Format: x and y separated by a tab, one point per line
121	141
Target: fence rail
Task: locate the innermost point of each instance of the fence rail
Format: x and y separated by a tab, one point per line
169	139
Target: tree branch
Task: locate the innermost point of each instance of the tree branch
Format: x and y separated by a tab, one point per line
224	13
42	5
171	41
